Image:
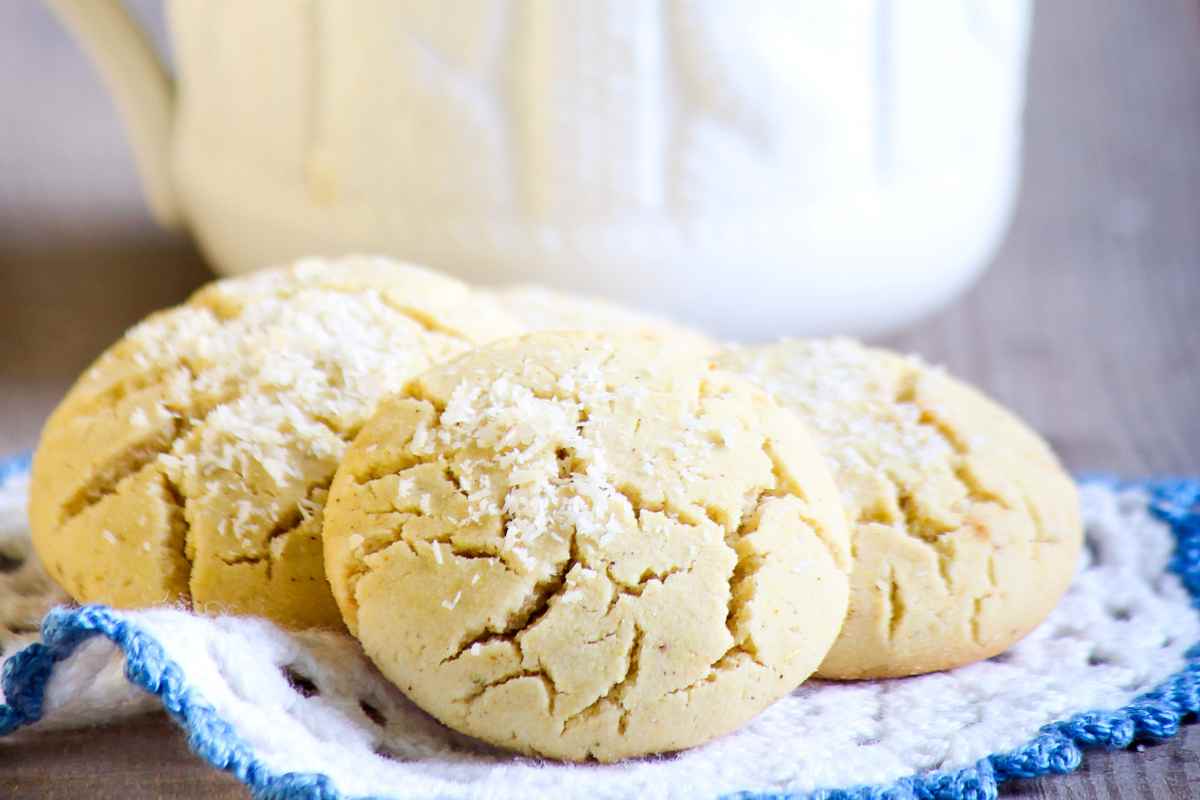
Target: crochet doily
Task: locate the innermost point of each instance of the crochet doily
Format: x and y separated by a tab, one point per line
306	715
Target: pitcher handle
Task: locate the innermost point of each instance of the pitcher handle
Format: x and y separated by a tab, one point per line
143	89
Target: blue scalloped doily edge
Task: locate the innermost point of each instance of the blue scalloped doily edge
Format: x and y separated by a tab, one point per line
1057	749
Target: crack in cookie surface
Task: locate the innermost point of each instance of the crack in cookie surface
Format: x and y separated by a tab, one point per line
612	694
108	477
179	532
533	609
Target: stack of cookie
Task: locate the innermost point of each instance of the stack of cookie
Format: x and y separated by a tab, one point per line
559	526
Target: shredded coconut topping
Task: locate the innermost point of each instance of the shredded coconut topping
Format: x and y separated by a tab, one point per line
290	374
866	425
530	433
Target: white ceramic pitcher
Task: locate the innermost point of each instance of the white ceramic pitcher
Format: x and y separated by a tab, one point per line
762	168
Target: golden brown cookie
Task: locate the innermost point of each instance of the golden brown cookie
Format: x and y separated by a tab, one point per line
586	546
191	462
966	530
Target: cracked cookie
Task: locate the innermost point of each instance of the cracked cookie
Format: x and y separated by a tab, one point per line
966	530
579	545
543	309
191	463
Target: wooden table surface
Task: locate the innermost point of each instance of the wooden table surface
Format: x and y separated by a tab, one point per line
1085	324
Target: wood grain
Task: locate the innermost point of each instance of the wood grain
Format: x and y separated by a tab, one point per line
143	758
1086	324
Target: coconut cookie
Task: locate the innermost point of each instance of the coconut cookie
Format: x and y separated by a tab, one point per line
192	461
543	309
583	546
966	530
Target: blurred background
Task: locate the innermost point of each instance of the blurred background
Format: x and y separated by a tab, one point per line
1083	320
